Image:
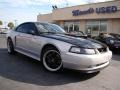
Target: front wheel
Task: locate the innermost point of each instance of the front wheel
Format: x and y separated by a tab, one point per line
10	46
52	60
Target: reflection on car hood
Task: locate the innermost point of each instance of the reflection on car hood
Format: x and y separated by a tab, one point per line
84	43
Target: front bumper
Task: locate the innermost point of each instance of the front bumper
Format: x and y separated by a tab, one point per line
86	63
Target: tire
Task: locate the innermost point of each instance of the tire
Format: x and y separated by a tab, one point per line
51	60
10	46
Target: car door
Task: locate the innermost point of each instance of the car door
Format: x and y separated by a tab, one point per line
34	42
21	39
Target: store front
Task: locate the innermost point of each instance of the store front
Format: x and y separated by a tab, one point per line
92	19
71	26
95	27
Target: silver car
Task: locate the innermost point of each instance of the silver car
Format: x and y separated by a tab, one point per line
50	44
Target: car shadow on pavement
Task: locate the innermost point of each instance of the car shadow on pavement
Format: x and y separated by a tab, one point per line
21	68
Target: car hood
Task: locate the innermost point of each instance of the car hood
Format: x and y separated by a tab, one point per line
80	42
81	36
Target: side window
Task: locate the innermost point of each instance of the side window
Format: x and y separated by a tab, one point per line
19	28
28	27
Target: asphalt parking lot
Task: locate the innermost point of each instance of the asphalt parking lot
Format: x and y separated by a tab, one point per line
19	72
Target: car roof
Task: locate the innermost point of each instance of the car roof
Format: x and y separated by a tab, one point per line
35	22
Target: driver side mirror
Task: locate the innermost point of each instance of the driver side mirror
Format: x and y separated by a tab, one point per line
32	32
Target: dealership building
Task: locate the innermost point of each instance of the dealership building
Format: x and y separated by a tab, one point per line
94	18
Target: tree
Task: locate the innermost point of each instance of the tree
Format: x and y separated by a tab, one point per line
1	22
10	25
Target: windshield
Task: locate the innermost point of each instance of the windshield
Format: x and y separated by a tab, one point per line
116	36
49	28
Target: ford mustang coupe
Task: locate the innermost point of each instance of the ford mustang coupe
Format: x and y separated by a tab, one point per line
51	45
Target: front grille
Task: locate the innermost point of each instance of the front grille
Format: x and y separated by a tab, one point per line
101	50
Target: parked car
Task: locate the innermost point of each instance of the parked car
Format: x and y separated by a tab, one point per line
49	43
3	30
77	34
112	40
117	36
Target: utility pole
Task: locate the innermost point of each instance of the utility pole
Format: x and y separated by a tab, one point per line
5	23
15	23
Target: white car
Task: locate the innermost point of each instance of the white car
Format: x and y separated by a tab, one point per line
50	44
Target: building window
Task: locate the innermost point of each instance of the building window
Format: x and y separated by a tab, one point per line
95	27
71	26
103	26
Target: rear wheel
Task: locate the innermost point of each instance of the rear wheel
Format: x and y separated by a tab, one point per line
52	60
10	46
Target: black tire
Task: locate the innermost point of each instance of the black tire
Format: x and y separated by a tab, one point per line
10	46
51	59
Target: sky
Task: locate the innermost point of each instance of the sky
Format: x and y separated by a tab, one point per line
20	11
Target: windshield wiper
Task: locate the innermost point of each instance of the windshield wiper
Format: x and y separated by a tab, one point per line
48	32
52	32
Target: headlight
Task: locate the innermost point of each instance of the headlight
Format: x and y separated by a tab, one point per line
112	41
78	50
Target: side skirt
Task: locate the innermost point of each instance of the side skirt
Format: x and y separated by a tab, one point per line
28	53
